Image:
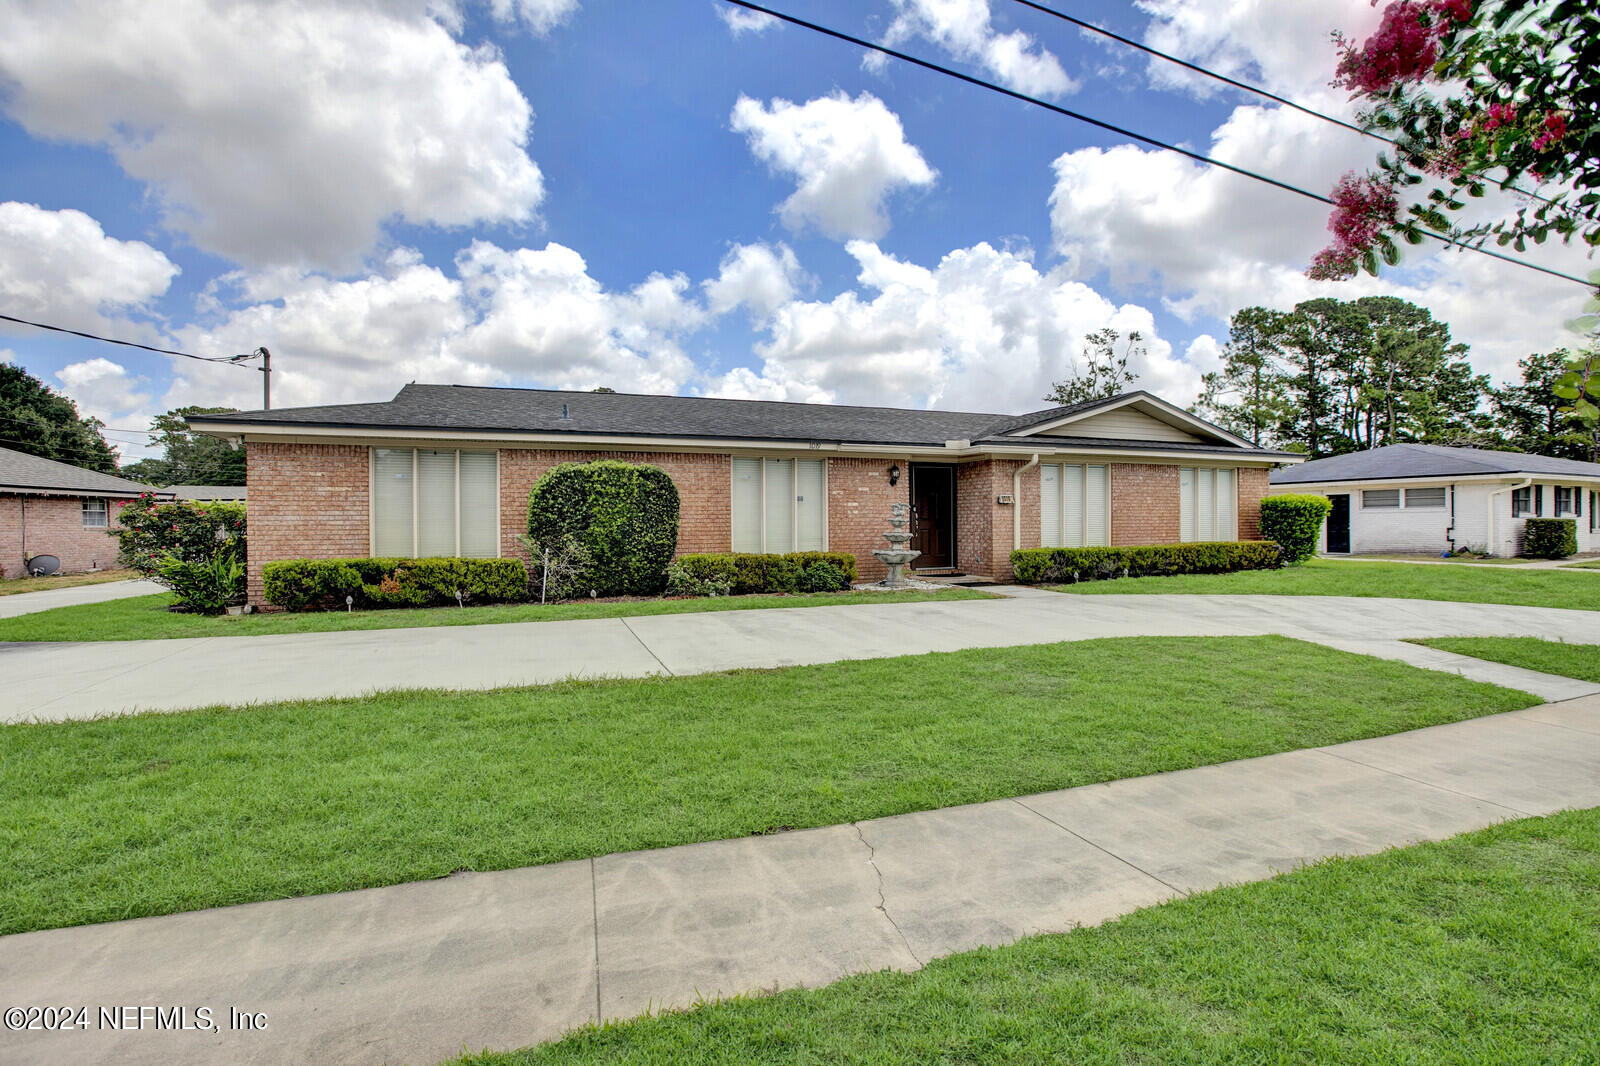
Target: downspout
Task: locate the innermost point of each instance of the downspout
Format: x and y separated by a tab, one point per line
1509	488
1016	500
1450	532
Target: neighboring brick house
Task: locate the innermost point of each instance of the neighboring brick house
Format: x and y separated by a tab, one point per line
446	470
1434	499
61	510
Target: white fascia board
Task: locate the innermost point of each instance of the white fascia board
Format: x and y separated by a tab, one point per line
1199	425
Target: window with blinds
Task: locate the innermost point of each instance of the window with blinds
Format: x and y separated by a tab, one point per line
429	502
1074	506
1208	504
779	505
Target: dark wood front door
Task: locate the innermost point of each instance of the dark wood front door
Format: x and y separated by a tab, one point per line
933	515
1339	524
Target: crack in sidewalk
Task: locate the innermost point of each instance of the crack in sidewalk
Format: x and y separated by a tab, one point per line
872	860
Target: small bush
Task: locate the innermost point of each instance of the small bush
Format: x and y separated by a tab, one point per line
1056	566
682	582
205	588
624	515
747	573
323	584
149	532
1293	521
557	569
1550	538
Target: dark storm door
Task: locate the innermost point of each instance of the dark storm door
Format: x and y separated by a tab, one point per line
933	515
1339	524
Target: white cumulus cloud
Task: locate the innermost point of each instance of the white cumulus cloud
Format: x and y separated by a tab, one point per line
758	277
846	155
964	29
283	131
742	20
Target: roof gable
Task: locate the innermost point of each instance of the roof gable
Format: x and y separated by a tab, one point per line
1131	416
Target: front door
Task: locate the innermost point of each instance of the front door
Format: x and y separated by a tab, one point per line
933	515
1339	524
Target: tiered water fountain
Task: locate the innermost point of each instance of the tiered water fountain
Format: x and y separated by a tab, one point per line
897	554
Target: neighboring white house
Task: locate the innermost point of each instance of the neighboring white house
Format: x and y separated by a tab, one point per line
1428	498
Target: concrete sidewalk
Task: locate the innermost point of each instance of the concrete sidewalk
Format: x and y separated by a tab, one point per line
419	972
45	599
63	681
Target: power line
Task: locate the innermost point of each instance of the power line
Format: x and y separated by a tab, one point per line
1257	90
125	344
1121	131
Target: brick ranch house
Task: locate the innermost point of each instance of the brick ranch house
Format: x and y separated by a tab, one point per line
52	508
446	470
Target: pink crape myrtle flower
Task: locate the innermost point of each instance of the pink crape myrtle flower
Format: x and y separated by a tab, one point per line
1363	208
1404	48
1555	128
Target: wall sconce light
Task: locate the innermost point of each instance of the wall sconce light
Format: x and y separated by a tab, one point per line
894	474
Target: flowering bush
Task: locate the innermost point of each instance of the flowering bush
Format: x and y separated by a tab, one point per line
1405	48
149	531
1364	209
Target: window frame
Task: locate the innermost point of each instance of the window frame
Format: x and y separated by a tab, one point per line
1367	506
1558	509
415	450
1216	496
1444	498
104	511
794	510
1083	504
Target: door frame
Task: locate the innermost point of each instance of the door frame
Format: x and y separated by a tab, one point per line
940	470
1327	536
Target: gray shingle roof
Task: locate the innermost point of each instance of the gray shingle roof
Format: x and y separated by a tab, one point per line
1428	460
30	473
474	408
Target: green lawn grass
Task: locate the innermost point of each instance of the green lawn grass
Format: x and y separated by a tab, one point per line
1321	577
1587	564
12	586
147	617
1416	557
121	817
1476	949
1546	656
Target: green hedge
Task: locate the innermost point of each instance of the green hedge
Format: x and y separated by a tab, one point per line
746	573
1293	521
1056	566
323	584
1550	538
625	515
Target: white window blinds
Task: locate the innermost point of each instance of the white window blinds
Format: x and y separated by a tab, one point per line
779	505
432	502
1208	504
1074	507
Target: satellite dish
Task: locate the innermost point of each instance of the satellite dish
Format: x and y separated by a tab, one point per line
43	565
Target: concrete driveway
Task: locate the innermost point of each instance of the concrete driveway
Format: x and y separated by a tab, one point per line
66	681
43	600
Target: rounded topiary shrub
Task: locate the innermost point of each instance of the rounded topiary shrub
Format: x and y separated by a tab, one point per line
624	515
1550	538
1293	522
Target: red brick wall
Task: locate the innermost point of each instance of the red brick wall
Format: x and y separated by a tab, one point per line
859	498
705	493
975	516
307	501
1252	486
54	526
1144	504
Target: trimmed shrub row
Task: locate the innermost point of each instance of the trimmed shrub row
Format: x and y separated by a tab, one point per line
323	584
1293	521
744	573
1056	566
1550	538
624	516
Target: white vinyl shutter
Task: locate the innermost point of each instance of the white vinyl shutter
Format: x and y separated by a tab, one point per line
1206	504
747	505
480	489
779	506
810	491
391	502
1186	503
1227	506
1096	507
436	504
1072	506
1050	506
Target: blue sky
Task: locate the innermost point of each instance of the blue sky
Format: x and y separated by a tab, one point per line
570	193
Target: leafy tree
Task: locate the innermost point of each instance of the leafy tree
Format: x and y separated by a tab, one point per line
1247	396
1323	341
189	458
36	419
1105	372
1530	417
1416	384
1503	93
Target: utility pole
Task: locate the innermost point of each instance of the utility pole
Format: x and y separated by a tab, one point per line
266	379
